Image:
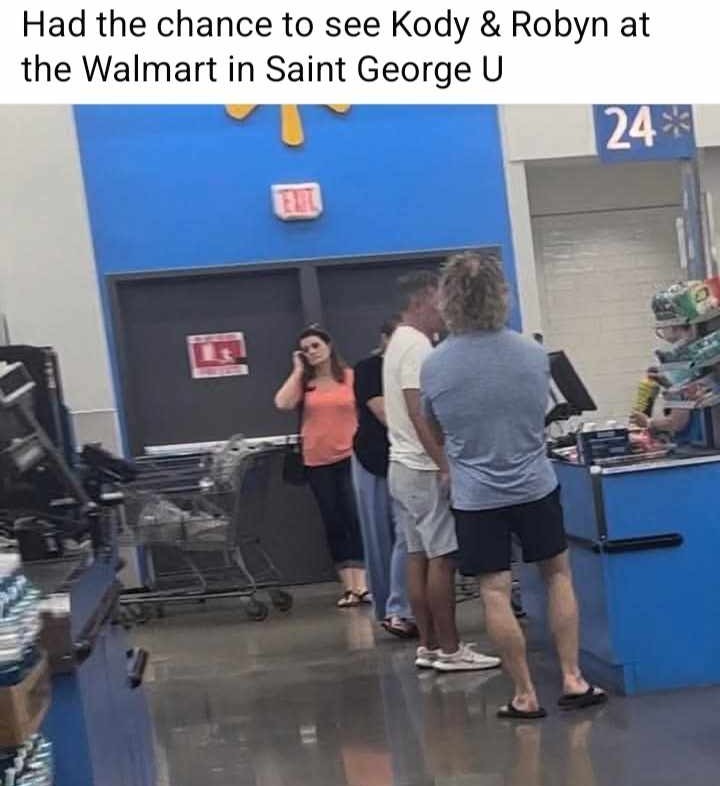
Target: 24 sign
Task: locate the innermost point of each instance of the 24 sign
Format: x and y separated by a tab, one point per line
644	132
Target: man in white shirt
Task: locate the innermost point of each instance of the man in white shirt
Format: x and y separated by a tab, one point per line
419	484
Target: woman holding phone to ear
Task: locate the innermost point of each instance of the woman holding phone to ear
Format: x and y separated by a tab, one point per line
320	386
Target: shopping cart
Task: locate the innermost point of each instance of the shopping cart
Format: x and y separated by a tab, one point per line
194	522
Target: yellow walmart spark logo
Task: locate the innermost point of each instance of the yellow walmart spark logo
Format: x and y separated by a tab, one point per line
291	127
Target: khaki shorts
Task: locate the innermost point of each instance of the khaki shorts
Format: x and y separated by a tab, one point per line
422	508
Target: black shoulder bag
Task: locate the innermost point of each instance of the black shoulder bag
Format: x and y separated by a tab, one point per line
293	471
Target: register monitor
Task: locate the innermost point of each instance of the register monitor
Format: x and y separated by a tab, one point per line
568	396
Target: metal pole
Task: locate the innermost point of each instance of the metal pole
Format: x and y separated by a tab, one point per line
693	220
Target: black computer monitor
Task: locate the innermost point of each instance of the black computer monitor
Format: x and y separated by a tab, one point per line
570	387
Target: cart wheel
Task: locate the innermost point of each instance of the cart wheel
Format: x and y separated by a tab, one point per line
281	600
256	610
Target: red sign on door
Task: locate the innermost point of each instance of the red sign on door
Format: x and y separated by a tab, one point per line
217	355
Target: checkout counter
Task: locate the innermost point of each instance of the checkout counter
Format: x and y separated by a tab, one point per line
643	540
644	535
98	719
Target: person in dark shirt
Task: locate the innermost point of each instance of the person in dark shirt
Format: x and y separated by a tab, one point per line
385	545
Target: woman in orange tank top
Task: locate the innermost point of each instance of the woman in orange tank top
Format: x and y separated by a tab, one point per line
321	387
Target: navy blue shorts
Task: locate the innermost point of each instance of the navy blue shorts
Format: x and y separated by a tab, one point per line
485	536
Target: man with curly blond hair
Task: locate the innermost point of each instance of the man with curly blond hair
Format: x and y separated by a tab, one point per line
485	390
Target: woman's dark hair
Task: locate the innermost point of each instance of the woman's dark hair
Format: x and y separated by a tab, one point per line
337	364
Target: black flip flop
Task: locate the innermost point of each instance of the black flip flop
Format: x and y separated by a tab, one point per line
579	701
511	712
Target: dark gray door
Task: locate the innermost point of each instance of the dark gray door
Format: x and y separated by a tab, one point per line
358	298
155	316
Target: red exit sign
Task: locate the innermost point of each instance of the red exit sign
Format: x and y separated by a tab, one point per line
297	201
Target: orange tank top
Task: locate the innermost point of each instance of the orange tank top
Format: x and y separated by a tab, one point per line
329	423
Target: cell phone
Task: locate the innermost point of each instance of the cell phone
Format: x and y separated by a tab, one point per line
303	358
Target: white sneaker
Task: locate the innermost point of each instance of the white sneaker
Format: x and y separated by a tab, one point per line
465	659
425	658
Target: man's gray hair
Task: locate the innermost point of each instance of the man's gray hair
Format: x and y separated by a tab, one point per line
473	292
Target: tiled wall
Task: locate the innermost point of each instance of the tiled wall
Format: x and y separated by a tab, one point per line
598	272
605	242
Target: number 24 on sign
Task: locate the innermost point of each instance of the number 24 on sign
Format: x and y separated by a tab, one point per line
641	128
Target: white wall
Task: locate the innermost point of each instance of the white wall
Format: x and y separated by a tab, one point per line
584	185
604	243
48	285
547	131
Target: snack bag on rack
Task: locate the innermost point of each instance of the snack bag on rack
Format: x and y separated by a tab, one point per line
664	306
702	296
694	391
684	300
714	287
705	349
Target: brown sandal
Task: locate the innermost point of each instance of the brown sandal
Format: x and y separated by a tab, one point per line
348	599
364	597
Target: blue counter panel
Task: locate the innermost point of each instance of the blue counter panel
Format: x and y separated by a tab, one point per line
648	617
664	500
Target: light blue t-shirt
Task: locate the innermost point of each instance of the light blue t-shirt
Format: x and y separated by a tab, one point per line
489	392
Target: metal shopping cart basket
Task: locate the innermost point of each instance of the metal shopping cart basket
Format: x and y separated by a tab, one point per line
194	520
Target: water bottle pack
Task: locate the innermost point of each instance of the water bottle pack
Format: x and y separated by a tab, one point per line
30	765
20	624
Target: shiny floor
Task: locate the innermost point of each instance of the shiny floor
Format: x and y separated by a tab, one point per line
320	698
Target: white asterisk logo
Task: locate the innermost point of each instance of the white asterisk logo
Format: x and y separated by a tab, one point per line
677	122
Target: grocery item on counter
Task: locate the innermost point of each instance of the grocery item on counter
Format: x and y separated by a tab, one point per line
645	396
594	444
644	441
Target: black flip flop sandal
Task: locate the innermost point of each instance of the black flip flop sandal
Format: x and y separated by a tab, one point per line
364	597
579	701
511	712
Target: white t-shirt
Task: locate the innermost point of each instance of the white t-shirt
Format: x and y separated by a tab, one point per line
403	360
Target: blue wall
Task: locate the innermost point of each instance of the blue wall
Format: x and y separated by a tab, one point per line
187	186
182	187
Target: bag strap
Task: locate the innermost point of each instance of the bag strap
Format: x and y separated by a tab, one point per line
300	414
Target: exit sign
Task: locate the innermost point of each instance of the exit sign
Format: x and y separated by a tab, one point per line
297	201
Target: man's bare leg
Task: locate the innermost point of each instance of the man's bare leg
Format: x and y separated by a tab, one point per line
564	621
506	634
417	580
441	599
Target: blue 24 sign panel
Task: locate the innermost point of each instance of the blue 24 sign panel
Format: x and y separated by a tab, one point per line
644	132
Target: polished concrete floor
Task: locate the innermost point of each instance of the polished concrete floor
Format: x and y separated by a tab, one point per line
319	698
